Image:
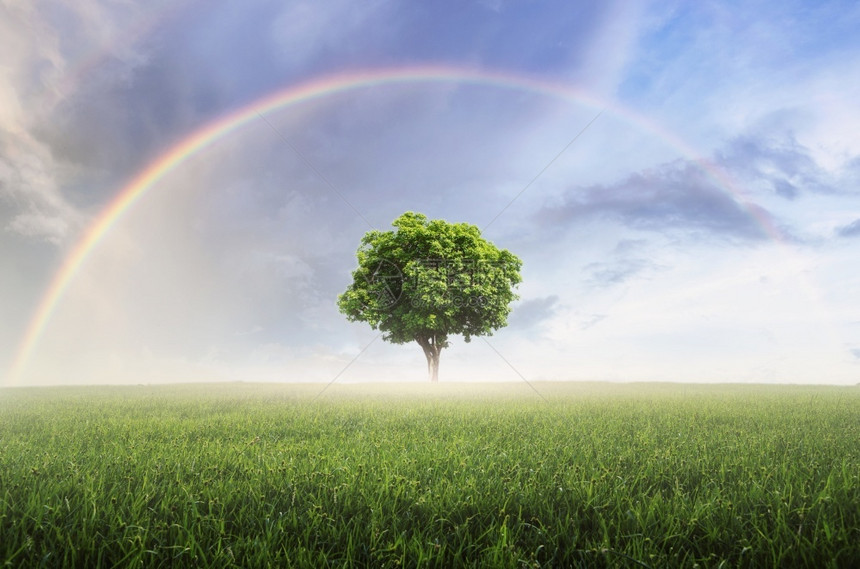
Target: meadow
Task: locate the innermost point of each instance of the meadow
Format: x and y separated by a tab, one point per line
483	475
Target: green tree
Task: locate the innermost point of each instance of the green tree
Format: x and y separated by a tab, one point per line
428	280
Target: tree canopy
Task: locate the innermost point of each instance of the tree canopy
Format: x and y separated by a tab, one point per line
428	280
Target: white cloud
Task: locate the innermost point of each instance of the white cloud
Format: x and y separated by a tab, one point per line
30	64
48	51
711	70
53	229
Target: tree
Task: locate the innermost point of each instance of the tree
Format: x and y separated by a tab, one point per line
428	280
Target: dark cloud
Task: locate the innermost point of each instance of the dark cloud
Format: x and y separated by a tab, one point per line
674	196
850	230
119	120
855	352
779	163
533	311
197	66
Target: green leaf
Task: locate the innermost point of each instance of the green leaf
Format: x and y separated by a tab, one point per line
431	279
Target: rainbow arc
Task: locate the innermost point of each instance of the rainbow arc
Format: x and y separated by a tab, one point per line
196	142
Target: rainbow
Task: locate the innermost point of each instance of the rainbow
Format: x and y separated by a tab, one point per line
221	127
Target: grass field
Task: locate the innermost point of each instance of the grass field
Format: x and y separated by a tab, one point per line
592	475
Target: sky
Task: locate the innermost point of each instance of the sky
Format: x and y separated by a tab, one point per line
680	179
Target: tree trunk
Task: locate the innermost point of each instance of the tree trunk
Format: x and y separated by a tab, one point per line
433	367
432	352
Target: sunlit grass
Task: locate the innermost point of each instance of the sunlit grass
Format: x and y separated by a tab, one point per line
388	475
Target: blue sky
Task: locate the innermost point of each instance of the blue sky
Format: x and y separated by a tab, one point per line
704	227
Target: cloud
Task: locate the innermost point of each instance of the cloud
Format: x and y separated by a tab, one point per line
532	312
629	258
604	273
31	224
28	173
29	190
753	182
778	164
855	352
850	230
675	196
794	60
48	67
586	321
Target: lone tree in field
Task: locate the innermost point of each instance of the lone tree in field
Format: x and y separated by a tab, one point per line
429	280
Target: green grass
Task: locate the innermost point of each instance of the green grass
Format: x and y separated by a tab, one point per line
237	475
